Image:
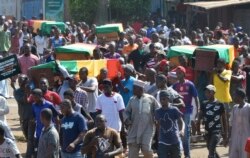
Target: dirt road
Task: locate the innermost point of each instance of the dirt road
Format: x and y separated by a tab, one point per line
198	149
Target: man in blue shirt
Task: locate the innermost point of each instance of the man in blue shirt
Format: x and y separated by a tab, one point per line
151	28
126	85
73	129
39	104
169	132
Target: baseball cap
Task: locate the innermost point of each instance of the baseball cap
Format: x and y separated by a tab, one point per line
211	88
158	46
180	68
165	93
172	74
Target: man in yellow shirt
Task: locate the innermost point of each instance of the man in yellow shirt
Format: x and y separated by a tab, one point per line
221	80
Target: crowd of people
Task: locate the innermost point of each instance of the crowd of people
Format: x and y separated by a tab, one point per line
153	106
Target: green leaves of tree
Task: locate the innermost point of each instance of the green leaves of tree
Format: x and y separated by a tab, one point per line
120	10
83	10
129	10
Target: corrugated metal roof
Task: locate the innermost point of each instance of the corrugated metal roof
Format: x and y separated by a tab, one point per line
217	4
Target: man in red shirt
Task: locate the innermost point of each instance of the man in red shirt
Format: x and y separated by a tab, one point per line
48	95
183	60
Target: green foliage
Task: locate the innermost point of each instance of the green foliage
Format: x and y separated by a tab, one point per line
129	10
121	10
83	10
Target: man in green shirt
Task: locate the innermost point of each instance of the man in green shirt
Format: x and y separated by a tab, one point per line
4	37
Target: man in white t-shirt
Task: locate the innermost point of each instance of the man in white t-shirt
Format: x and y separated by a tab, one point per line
8	147
40	42
111	105
4	109
90	85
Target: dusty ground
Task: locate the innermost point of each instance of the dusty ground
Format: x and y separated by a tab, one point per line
13	122
198	149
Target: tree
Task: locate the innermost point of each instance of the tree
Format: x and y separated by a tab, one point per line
83	10
129	10
120	10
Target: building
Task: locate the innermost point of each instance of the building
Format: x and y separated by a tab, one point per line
44	9
31	8
10	8
209	13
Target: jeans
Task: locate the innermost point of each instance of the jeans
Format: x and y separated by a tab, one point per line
212	140
186	139
169	151
77	154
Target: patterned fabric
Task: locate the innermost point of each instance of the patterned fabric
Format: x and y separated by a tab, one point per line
212	112
81	98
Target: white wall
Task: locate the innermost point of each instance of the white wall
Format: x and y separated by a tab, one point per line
9	8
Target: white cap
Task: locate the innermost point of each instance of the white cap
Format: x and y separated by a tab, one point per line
177	30
211	88
139	83
158	46
172	74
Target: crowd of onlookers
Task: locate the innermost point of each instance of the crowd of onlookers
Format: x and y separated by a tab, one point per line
152	106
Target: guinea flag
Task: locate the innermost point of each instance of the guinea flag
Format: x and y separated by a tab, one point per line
93	66
48	70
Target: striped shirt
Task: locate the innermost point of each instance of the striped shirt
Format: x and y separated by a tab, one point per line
81	98
151	63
